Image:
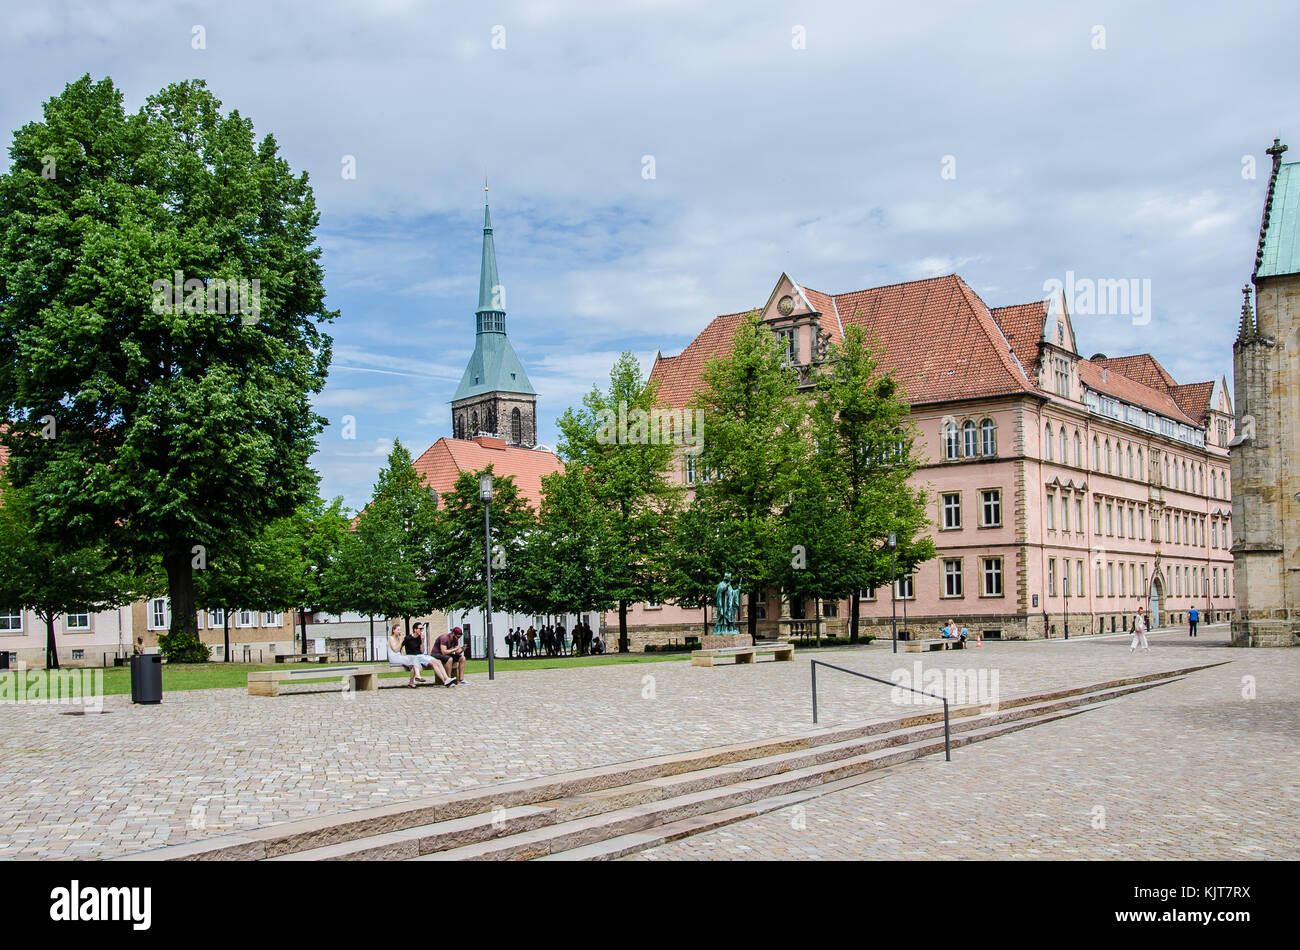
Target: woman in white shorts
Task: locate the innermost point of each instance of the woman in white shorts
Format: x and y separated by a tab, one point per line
413	661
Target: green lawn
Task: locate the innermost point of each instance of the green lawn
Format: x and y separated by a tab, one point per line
218	675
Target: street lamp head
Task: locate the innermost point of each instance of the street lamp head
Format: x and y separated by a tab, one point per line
893	539
485	487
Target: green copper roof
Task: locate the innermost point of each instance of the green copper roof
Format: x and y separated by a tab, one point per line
493	367
489	300
1281	246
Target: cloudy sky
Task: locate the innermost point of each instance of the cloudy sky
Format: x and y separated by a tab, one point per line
817	138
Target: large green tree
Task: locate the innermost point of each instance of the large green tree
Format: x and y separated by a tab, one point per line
864	462
167	422
620	446
754	448
53	578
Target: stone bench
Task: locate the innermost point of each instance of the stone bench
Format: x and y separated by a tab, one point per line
778	651
938	643
267	682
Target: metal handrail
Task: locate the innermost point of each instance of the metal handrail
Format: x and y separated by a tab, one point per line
947	747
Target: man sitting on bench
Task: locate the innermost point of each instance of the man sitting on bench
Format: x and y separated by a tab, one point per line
450	652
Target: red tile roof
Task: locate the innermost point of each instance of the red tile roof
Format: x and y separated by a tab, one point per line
1022	325
1130	390
1194	399
824	305
444	461
679	376
1144	368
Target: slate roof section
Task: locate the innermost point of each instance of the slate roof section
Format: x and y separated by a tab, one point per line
446	459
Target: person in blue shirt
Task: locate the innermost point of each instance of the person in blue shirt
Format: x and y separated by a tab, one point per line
1192	617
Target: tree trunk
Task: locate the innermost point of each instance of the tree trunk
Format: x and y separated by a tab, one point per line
372	637
225	630
622	627
51	648
752	609
853	616
302	617
180	587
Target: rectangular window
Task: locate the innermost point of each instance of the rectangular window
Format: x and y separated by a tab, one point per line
1096	511
1214	576
216	618
992	508
1132	578
1065	513
1065	577
952	578
77	623
906	587
78	654
787	345
690	472
1121	581
1078	515
272	619
159	618
1051	577
868	595
952	510
1110	578
244	618
1110	519
992	577
1082	592
1098	586
1050	510
11	620
830	608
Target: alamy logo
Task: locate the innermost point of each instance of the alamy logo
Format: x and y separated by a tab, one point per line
655	427
61	687
208	296
959	687
103	903
1102	297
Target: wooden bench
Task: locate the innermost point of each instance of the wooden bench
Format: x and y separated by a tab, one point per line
267	682
779	652
938	643
304	657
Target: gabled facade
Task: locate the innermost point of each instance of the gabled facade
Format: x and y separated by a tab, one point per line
1064	491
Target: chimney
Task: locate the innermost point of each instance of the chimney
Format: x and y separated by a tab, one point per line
1103	374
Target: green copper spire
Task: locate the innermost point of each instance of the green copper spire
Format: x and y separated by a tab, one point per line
491	294
493	366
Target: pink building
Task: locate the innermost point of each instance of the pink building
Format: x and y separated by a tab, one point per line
1063	490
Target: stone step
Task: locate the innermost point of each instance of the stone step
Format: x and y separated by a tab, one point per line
422	821
423	839
713	807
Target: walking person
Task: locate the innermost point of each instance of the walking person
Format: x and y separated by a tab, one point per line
1139	633
1193	616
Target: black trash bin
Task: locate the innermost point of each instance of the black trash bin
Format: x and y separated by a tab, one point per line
146	678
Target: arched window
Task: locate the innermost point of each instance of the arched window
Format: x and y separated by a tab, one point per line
971	447
1166	481
1078	450
951	441
1096	453
460	426
1047	441
473	423
989	434
1064	445
1182	479
1128	462
516	427
1141	471
1108	457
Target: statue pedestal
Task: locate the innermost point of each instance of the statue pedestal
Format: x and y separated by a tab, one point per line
723	641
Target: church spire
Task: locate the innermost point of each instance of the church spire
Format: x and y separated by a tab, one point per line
491	293
1247	329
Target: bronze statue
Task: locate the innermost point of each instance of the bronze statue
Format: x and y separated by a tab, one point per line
727	603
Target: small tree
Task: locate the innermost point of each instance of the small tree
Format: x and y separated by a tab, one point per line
52	579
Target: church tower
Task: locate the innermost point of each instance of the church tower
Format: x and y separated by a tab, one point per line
1266	450
494	396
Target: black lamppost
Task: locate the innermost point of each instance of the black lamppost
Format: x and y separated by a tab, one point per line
485	493
893	589
1065	589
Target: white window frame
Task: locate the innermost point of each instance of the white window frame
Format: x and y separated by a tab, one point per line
6	617
953	585
991	574
271	618
152	611
70	627
985	502
954	509
245	618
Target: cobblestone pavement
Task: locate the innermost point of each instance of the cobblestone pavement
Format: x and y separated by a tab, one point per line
1190	770
205	763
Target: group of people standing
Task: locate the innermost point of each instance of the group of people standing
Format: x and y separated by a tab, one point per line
552	641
